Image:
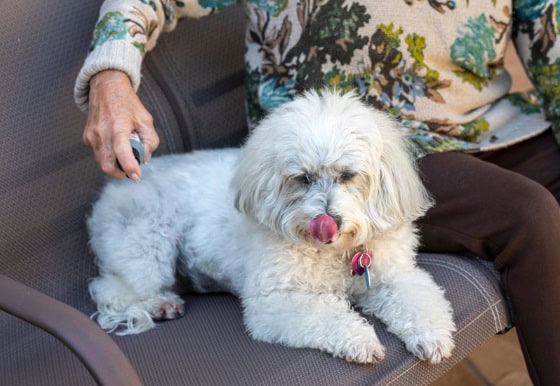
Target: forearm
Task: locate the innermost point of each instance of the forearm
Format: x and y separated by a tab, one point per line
124	32
127	29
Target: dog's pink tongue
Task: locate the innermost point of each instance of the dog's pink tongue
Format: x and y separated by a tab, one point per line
323	228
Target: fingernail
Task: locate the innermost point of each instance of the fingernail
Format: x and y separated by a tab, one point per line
134	177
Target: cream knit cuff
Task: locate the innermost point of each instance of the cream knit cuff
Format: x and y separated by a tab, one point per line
111	55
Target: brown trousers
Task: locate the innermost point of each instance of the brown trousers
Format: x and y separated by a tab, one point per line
503	206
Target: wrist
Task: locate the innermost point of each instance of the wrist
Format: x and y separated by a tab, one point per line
109	77
119	58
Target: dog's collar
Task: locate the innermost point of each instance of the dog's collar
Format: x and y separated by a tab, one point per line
360	263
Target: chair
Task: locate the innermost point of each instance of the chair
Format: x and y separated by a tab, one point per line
193	86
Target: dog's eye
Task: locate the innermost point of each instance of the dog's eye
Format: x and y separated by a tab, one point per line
304	179
346	176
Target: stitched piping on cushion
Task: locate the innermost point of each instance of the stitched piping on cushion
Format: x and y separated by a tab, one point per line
417	362
489	297
474	282
466	273
458	268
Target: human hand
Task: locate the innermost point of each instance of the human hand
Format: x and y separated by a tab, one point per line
115	111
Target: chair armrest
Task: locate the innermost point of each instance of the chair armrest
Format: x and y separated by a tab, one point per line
96	350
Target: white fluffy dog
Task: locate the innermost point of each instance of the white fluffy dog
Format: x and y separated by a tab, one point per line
323	180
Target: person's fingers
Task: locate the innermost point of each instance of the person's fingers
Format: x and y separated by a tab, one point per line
124	155
93	138
105	158
149	137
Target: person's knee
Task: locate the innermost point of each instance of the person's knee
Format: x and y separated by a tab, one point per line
527	251
533	206
532	216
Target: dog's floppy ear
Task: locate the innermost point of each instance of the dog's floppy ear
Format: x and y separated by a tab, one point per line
255	182
251	182
399	195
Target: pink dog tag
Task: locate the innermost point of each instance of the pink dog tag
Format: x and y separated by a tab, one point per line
360	265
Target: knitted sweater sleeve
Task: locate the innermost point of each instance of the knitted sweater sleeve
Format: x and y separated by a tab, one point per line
536	32
126	30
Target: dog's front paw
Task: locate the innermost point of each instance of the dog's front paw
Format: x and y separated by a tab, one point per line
365	350
433	346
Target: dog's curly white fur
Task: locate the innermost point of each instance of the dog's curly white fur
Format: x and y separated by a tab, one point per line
239	220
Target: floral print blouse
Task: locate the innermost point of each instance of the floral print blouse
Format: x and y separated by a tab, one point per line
437	66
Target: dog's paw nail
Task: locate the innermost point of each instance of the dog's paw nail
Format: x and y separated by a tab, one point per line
171	310
441	352
434	351
369	352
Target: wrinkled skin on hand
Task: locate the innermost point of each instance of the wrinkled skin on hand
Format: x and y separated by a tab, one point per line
115	111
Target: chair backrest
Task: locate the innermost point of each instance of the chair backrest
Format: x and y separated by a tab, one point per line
200	68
